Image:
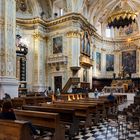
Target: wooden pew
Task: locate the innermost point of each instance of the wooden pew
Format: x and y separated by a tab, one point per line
46	120
18	102
95	108
67	116
83	112
35	100
14	130
100	107
103	99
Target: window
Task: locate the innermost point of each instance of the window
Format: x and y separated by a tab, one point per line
108	32
61	12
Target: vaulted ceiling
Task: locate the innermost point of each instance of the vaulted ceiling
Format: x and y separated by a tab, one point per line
100	10
95	10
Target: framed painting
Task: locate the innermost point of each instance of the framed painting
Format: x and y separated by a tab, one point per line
109	62
98	61
129	61
57	45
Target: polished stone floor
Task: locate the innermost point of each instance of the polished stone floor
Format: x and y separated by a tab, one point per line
99	131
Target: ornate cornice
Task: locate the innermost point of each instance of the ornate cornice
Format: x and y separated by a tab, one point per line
30	22
72	18
50	24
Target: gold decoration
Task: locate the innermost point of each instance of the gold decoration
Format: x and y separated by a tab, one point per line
74	34
123	15
23	6
39	35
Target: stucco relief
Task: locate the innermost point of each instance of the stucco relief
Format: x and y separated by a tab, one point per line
69	5
23	6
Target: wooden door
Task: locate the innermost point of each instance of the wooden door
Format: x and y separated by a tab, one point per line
58	83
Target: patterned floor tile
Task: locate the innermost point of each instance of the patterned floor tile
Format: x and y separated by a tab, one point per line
99	133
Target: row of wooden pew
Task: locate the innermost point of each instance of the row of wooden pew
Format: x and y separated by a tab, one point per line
57	115
19	102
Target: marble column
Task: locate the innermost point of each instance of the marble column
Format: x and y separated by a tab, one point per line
117	62
73	38
39	84
8	82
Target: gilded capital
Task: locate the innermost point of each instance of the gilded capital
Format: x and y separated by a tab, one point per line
73	34
40	36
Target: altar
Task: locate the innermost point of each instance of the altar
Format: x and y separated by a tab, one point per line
122	83
114	89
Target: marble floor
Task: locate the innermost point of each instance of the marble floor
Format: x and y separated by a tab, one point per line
99	131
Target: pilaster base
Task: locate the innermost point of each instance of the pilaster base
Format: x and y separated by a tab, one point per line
8	85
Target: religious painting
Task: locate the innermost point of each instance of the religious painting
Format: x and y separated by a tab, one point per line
98	61
57	45
129	61
85	43
109	62
128	30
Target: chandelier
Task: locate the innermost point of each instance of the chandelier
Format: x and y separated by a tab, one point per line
121	19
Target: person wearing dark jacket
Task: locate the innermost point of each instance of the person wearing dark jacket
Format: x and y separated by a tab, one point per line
7	111
111	97
7	96
8	114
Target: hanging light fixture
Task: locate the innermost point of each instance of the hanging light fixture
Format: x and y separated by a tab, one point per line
123	15
122	18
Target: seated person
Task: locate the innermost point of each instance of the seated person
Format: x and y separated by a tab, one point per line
50	92
7	96
58	92
7	111
96	93
111	97
8	114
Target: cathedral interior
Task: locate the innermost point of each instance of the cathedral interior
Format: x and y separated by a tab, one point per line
70	47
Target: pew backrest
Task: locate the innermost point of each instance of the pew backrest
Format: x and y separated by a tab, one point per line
14	130
43	119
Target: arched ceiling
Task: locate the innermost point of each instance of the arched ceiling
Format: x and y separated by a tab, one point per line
34	8
95	10
100	10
